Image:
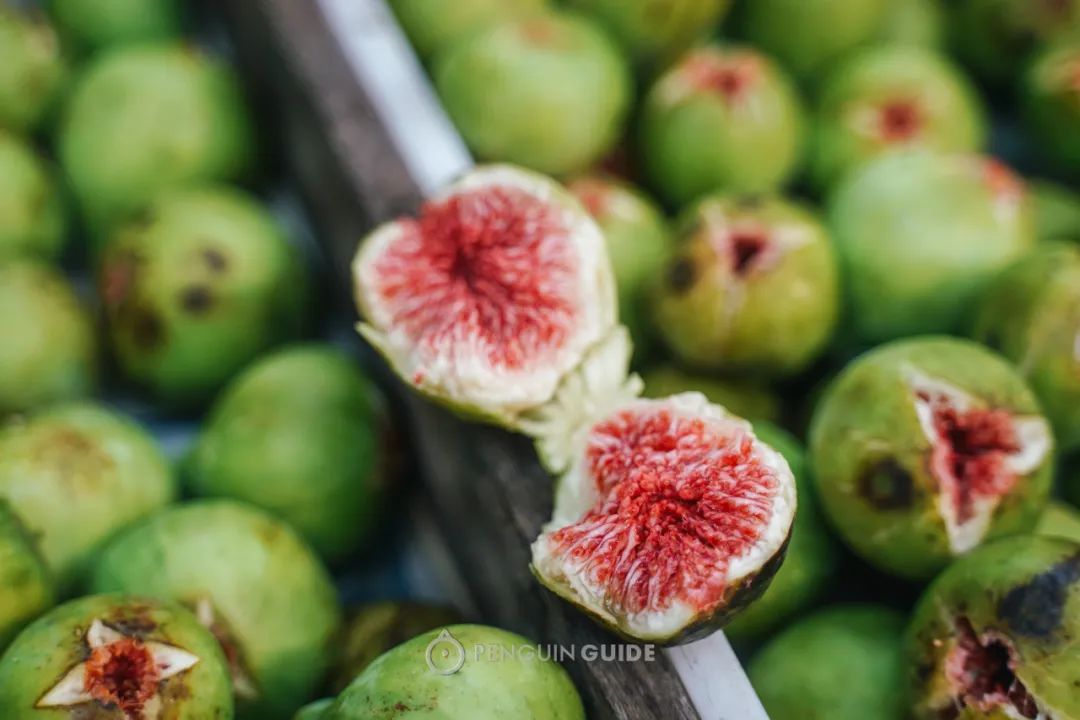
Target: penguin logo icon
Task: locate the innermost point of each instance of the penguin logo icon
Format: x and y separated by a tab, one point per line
445	655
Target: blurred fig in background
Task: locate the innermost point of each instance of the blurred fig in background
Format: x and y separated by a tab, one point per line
49	349
1057	211
638	243
919	235
1059	520
75	475
435	25
810	36
300	433
248	578
549	92
93	25
373	629
33	221
195	288
26	588
314	711
914	22
33	72
145	119
1052	104
843	663
745	399
1031	315
751	288
892	98
724	118
655	32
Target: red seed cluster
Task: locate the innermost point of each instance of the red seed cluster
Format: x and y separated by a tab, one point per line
680	498
122	673
899	121
730	76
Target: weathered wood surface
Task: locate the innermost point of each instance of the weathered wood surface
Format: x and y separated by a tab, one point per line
491	494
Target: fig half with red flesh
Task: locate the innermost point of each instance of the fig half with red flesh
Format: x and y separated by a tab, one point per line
491	296
670	518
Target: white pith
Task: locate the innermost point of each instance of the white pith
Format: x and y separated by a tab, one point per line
577	494
464	378
1034	436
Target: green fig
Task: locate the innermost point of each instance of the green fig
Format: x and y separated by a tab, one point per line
33	72
1057	211
1052	104
26	588
914	22
314	711
95	25
745	399
32	216
435	25
1059	520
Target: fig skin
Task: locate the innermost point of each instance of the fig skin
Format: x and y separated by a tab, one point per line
95	25
742	398
1031	315
996	38
49	353
812	556
948	116
314	711
146	119
432	26
842	663
914	22
33	223
548	92
697	140
1052	104
771	320
300	433
33	71
1057	211
487	687
76	474
656	32
55	643
919	235
26	589
869	455
1022	589
638	242
374	629
263	584
1059	520
202	285
810	36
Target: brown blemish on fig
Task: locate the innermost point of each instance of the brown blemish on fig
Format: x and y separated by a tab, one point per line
1035	608
886	485
215	260
751	202
196	299
682	274
135	620
147	330
899	120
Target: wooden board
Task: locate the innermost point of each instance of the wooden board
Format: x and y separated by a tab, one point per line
367	140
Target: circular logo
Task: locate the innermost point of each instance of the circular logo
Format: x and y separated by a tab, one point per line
445	655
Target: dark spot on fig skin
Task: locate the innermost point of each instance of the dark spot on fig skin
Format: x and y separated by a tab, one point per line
135	620
215	260
886	485
751	202
681	275
196	300
147	330
1035	608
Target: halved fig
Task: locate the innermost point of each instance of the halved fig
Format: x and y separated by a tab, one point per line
491	296
671	516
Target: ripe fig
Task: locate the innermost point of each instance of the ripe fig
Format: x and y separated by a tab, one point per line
890	98
751	288
32	70
810	36
919	235
994	635
996	38
26	588
435	25
843	663
33	220
464	671
1031	314
76	474
914	22
1057	211
812	556
638	242
95	25
489	298
300	433
373	629
1059	520
722	119
549	91
251	580
49	351
741	398
118	657
199	286
145	119
1052	103
655	32
924	448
